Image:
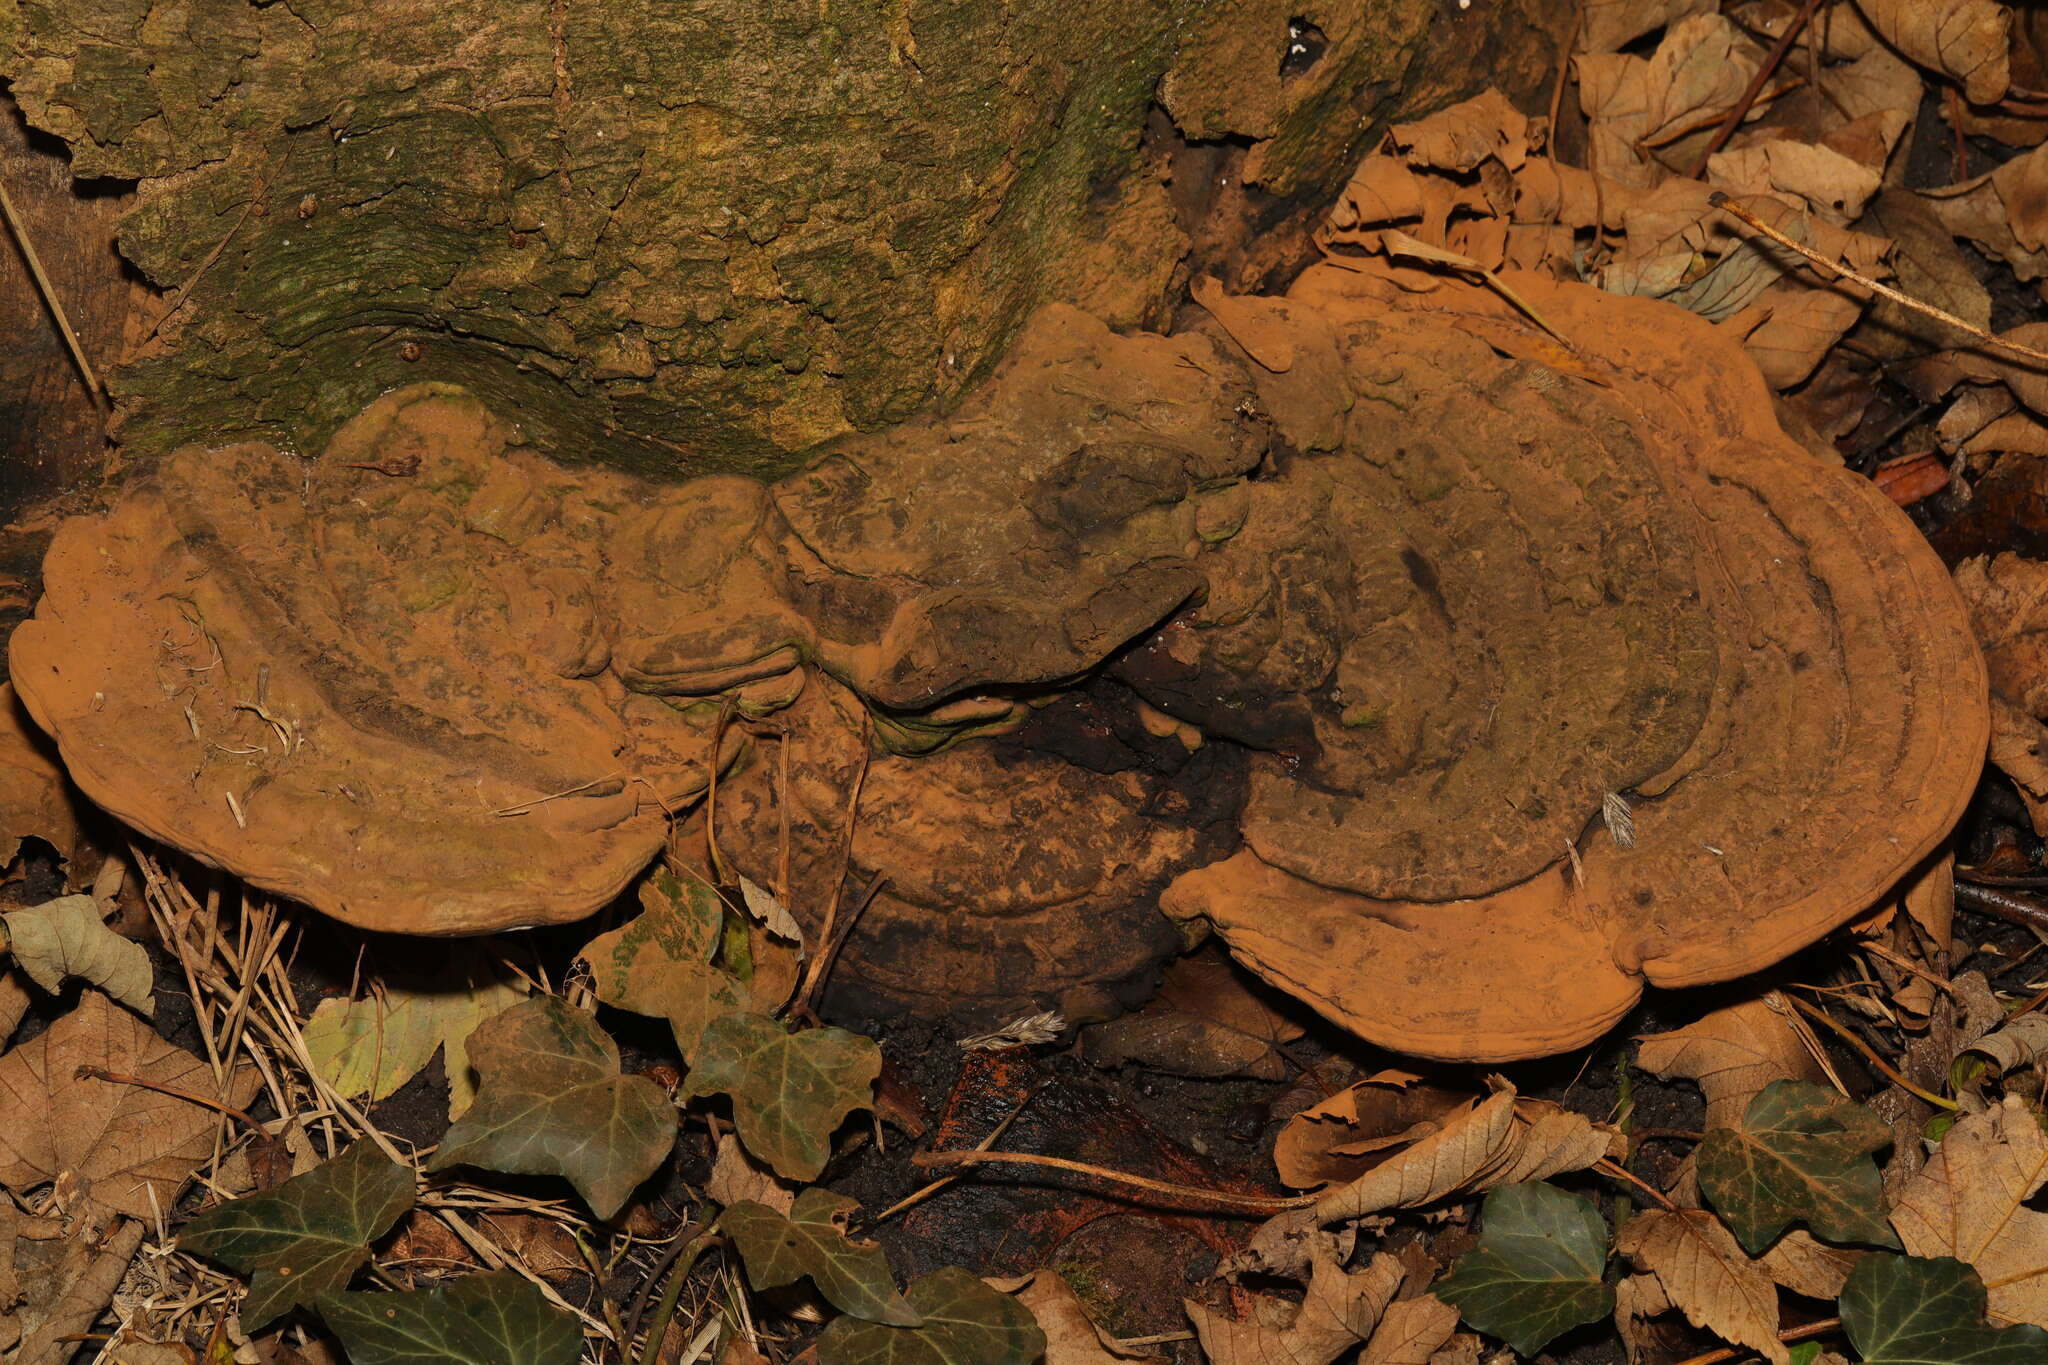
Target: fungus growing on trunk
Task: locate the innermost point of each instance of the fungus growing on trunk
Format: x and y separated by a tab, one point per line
1456	597
1756	653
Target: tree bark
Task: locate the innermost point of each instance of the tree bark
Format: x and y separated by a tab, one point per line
700	235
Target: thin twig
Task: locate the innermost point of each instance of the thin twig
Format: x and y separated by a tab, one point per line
1217	1200
1756	83
1884	1068
813	975
1621	1172
1790	1334
1721	201
2023	910
122	1078
48	292
912	1200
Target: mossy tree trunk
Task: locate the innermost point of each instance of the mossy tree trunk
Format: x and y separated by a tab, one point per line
698	235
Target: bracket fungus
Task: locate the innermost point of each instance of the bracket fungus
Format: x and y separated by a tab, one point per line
1433	590
1753	654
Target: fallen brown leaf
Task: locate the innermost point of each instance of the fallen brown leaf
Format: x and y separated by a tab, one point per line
1339	1311
736	1176
1969	1202
1208	1019
1071	1336
1355	1129
1494	1143
1964	40
1732	1053
1707	1276
1808	1266
133	1148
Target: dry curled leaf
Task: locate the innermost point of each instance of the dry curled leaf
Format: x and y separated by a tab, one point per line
1340	1138
1494	1143
68	937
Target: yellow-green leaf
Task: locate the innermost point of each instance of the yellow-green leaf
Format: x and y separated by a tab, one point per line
67	937
375	1044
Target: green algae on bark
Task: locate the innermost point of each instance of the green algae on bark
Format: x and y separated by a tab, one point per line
683	239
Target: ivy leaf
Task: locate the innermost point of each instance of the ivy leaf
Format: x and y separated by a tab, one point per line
1800	1155
308	1235
374	1045
962	1322
495	1318
659	964
69	937
1903	1310
853	1276
1537	1270
552	1102
790	1091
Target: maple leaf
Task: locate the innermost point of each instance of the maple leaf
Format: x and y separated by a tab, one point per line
1537	1272
134	1148
309	1235
495	1318
1969	1202
790	1091
961	1321
552	1102
374	1045
811	1241
1801	1154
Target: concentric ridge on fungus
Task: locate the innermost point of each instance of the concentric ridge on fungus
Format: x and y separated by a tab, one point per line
1447	585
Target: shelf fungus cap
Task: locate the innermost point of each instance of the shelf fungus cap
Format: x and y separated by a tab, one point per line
375	683
1808	706
1005	880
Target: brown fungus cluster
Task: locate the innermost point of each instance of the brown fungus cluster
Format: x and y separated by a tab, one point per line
1553	669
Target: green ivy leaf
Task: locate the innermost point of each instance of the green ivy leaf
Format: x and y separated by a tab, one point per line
69	937
962	1322
495	1318
1537	1270
1903	1310
374	1045
1800	1155
853	1276
552	1102
307	1236
790	1091
659	964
